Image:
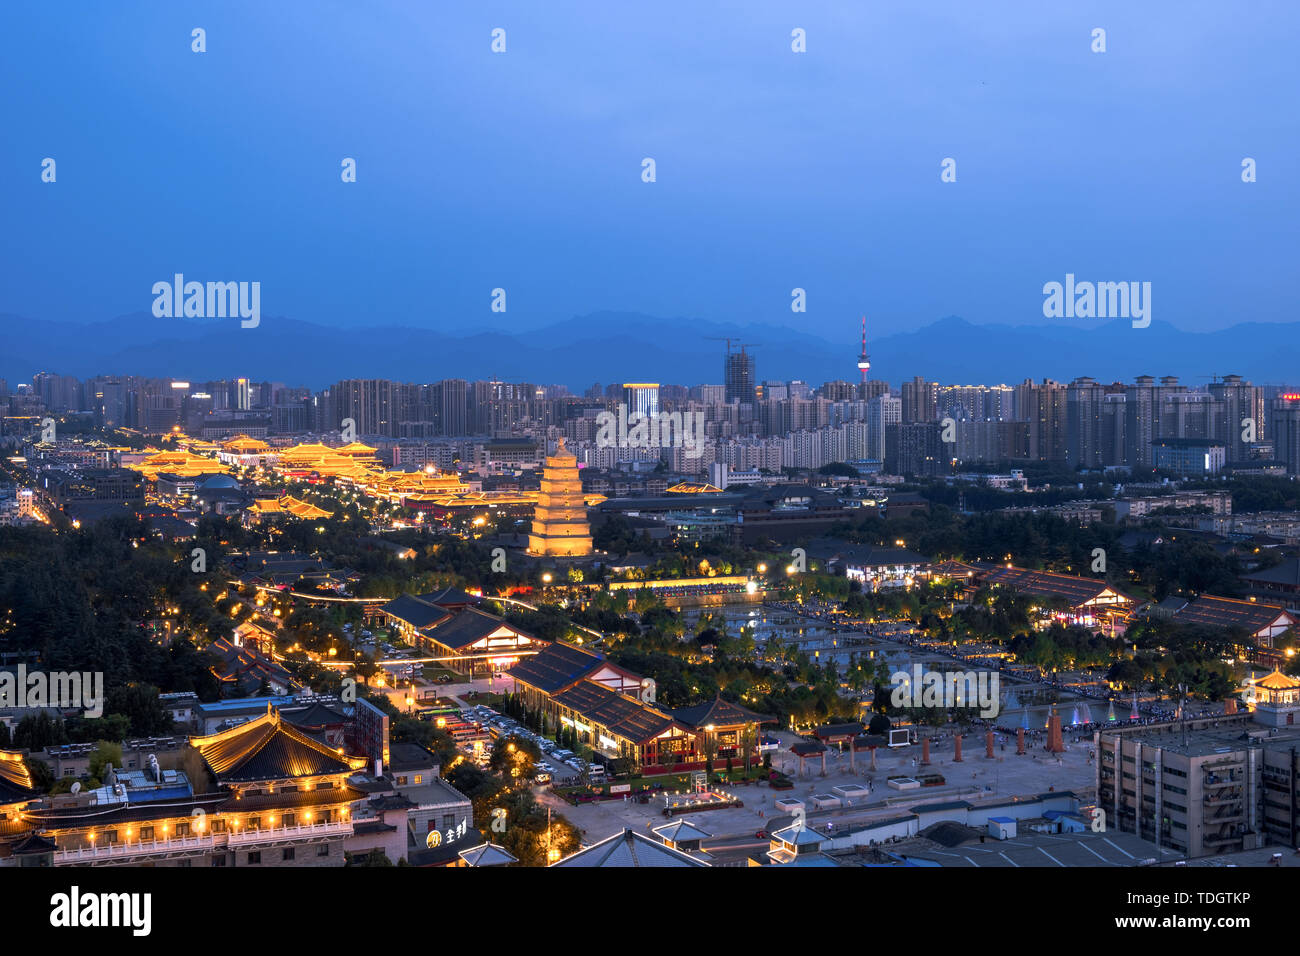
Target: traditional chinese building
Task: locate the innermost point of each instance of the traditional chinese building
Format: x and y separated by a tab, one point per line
559	666
284	506
244	452
265	794
560	525
723	727
1274	700
1089	602
444	625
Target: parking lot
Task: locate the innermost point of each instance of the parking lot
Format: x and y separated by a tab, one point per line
558	765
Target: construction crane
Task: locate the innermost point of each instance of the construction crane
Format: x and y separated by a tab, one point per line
728	339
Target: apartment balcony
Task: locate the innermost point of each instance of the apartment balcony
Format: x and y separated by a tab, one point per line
1213	782
272	835
116	852
1220	797
197	845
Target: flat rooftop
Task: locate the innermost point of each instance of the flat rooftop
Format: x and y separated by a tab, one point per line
1209	740
1039	849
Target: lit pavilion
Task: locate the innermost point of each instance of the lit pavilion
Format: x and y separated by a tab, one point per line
1276	699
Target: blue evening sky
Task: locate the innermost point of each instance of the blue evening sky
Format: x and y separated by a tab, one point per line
775	170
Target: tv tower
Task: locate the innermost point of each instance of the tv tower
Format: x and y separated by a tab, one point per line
864	360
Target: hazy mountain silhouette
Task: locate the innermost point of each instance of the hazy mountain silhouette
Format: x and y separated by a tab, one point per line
623	346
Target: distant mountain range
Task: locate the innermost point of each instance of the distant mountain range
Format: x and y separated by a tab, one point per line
621	346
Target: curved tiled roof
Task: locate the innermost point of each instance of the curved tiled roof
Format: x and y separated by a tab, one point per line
16	782
1277	681
719	713
268	749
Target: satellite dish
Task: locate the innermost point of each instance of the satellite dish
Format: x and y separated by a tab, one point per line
76	787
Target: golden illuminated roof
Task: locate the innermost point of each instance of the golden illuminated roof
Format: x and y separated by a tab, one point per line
694	488
183	463
15	778
346	462
288	505
243	445
269	749
1277	681
483	499
415	483
308	449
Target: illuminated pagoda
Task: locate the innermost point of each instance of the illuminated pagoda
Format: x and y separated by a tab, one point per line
560	525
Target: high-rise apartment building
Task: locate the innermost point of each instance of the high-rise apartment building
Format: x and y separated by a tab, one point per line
1083	421
738	373
920	401
1043	407
1240	414
882	412
368	402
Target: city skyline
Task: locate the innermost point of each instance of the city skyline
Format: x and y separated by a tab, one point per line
736	435
644	348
